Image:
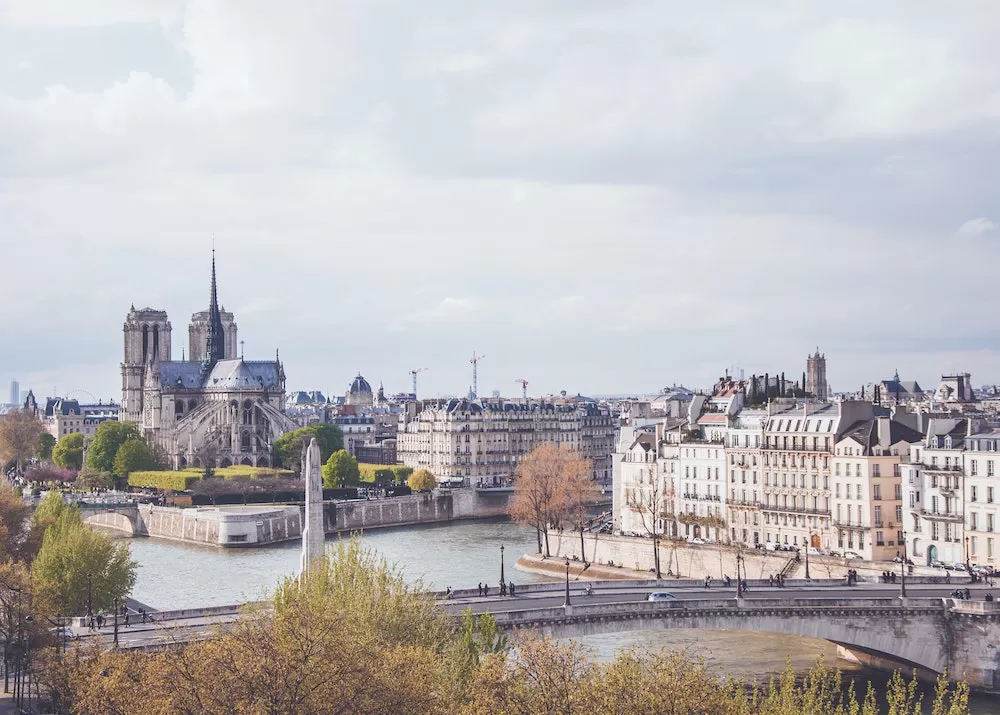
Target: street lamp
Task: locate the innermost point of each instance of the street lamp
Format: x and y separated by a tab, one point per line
968	564
739	590
902	571
502	581
808	545
566	602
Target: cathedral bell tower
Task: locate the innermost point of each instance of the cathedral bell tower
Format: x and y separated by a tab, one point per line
147	340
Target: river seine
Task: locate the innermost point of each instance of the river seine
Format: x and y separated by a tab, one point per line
460	555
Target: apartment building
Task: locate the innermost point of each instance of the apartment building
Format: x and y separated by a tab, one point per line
746	476
799	440
934	481
982	517
867	487
486	438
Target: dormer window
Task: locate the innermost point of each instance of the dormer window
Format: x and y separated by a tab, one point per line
947	442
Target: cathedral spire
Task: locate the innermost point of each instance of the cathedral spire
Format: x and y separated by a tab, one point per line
215	348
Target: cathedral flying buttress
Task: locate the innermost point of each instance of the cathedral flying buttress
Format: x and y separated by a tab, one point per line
213	409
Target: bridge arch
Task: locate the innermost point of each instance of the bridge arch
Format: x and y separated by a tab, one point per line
910	637
115	520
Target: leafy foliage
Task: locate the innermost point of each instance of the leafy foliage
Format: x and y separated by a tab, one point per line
110	436
341	469
288	448
14	535
45	444
89	479
70	553
20	432
383	473
353	637
133	456
421	481
68	451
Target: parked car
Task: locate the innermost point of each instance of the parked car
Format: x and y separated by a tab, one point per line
661	596
696	540
813	551
936	565
851	555
958	566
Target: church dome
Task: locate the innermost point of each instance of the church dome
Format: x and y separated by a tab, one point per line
360	386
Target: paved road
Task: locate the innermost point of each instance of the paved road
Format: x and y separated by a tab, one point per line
625	594
548	596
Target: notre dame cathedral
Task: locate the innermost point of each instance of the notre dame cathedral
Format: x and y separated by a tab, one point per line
213	409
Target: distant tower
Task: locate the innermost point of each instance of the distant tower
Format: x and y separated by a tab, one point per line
816	376
147	338
15	393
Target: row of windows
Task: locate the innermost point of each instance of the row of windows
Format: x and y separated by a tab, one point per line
788	480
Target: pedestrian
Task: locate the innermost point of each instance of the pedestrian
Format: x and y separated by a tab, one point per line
770	580
126	618
968	595
100	621
480	588
989	596
510	588
503	588
486	590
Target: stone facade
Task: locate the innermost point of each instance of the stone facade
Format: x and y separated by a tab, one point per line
217	411
486	438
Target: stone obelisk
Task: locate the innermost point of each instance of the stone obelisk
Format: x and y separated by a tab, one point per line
313	536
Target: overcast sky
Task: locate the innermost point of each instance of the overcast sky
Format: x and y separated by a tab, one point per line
600	196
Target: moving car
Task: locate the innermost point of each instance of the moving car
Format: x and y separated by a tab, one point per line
661	596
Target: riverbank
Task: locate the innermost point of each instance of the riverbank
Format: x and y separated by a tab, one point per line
633	558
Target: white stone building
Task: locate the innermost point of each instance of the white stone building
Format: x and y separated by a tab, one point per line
981	491
746	476
934	482
867	487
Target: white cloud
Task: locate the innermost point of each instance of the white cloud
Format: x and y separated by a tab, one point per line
976	227
494	176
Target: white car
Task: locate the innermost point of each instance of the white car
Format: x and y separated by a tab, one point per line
696	540
813	551
661	596
851	555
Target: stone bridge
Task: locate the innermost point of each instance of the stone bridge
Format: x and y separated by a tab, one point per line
931	634
123	518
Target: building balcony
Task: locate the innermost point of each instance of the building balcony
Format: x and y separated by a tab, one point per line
743	502
795	510
850	525
939	516
947	469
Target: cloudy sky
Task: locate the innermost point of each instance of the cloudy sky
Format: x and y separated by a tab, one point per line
600	196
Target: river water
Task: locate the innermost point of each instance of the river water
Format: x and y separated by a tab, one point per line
174	575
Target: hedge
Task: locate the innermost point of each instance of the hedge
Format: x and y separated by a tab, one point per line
384	472
168	481
183	479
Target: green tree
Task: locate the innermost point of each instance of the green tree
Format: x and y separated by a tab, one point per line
133	456
14	515
71	552
20	431
421	481
88	479
110	436
340	469
45	444
288	447
68	451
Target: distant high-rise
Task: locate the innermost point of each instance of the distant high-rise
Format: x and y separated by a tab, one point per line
816	376
15	393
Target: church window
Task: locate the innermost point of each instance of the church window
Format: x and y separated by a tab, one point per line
179	407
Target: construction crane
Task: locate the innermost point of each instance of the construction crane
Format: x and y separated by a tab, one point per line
524	387
475	372
413	374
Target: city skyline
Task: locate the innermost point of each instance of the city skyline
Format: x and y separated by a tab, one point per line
600	199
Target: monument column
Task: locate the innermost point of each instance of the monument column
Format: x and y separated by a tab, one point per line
313	536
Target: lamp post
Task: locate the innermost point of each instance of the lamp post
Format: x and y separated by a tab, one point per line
90	596
739	590
566	602
115	642
902	571
968	564
808	546
502	581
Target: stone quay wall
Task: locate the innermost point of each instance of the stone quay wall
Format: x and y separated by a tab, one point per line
240	526
633	556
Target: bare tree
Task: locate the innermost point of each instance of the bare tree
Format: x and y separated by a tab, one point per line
647	503
580	493
20	432
539	495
